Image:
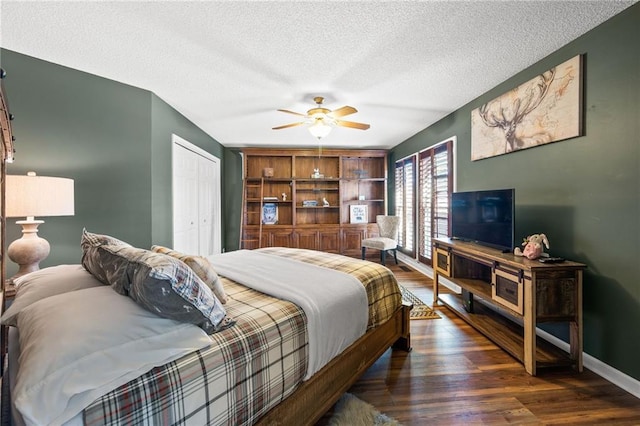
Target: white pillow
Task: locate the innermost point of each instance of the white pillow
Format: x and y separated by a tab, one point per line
45	283
77	346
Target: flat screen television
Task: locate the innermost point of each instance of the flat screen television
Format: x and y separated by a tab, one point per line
484	217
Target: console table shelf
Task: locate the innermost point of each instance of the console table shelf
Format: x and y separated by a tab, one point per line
505	296
506	333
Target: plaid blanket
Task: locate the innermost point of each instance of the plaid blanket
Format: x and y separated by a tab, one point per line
381	285
250	368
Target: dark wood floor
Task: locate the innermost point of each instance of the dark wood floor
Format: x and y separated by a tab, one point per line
454	375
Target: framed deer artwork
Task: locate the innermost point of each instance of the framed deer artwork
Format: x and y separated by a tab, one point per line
547	108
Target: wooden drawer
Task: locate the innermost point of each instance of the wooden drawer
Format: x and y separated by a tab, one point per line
557	295
508	289
442	261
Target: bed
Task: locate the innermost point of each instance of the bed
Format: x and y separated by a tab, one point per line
261	367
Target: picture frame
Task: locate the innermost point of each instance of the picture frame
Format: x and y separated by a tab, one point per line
547	108
269	214
358	213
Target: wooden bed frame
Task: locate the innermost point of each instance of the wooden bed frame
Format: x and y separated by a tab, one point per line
318	394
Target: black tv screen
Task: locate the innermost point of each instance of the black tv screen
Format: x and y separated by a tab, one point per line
484	217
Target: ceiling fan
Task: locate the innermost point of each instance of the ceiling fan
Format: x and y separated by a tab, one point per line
321	120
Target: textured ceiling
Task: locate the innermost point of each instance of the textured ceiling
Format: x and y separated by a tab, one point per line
228	66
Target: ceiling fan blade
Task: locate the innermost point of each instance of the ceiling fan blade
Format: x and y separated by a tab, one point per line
341	112
292	112
288	125
352	124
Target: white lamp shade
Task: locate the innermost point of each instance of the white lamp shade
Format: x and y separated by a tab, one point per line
30	195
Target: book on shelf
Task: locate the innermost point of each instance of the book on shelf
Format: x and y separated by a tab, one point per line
270	198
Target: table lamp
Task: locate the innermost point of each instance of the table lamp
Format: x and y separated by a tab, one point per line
30	196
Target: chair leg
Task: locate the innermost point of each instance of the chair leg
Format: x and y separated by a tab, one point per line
364	252
383	257
395	255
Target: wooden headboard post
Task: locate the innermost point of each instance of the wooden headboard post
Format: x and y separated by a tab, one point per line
6	155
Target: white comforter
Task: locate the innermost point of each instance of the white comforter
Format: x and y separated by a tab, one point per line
335	303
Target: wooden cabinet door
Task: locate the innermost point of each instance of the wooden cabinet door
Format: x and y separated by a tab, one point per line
307	239
250	239
280	238
352	240
329	240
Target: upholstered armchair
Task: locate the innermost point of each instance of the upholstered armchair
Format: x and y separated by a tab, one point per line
388	239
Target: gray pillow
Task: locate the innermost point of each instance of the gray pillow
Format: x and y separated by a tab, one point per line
159	283
89	240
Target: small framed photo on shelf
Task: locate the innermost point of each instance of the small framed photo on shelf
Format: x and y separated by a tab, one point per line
269	214
358	213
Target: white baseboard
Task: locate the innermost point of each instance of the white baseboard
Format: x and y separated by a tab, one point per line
616	377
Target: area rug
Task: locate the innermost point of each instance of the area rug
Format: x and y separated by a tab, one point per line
352	411
420	309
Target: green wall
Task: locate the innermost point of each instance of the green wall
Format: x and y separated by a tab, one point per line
165	122
583	193
114	140
233	197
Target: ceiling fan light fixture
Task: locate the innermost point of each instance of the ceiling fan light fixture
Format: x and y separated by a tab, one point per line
319	128
320	120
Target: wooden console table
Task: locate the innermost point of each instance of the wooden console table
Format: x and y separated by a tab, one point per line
505	296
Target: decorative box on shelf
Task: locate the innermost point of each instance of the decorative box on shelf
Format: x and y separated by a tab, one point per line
361	174
309	203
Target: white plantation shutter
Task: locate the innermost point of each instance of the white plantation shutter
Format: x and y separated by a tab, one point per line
426	201
399	179
409	208
405	203
436	185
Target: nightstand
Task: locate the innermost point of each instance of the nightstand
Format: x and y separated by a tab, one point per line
9	294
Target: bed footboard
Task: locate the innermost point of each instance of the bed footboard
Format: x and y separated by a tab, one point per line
316	396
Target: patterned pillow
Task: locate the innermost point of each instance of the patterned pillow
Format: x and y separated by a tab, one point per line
159	283
89	240
201	266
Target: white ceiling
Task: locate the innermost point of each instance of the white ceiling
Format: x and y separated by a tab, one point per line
229	65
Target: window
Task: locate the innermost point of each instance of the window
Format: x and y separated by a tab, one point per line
405	203
436	185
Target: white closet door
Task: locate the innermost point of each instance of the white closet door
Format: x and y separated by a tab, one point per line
185	200
206	192
197	224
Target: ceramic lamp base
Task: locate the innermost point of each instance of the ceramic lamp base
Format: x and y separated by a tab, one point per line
29	250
